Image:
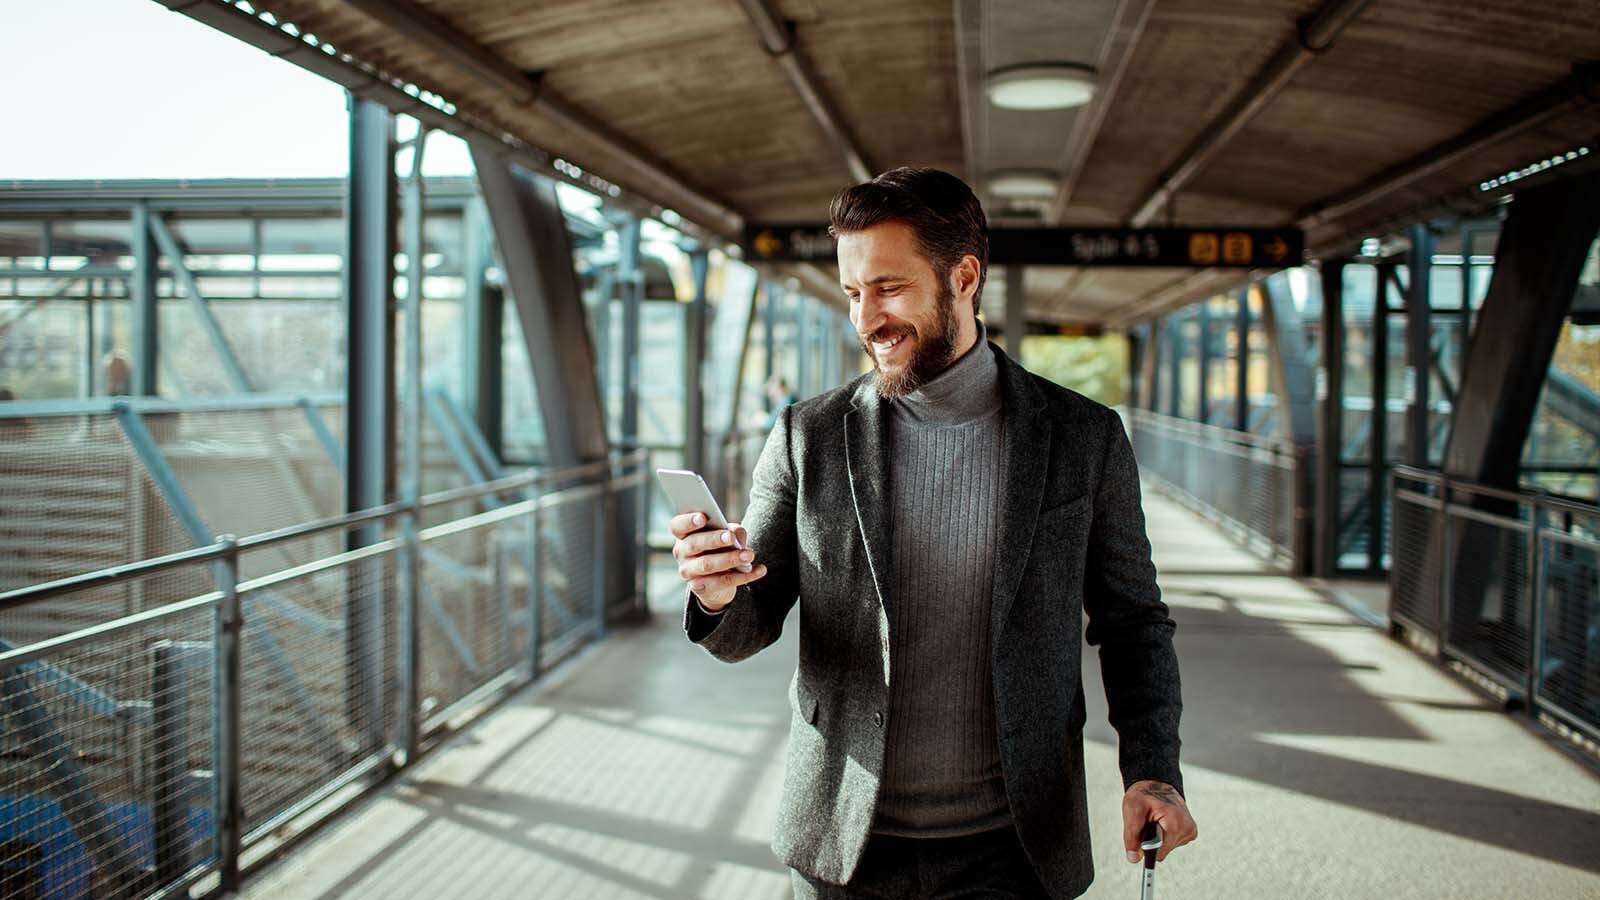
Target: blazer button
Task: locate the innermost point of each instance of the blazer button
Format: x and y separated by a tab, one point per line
877	719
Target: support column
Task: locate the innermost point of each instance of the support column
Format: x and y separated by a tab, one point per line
1289	356
1543	247
1155	345
630	289
370	383
1203	362
694	412
1016	315
1378	449
537	253
1419	359
482	329
772	298
144	309
802	345
1330	421
1175	365
1241	371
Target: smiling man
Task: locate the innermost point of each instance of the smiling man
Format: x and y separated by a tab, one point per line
945	523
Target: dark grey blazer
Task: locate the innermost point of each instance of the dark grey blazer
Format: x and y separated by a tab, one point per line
1072	540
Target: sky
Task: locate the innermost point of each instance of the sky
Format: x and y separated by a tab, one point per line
129	89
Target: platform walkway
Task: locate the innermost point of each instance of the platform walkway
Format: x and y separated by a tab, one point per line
1322	760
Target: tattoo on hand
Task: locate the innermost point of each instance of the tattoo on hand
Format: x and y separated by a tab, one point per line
1162	792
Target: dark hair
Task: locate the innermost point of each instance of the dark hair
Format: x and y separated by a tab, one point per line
942	211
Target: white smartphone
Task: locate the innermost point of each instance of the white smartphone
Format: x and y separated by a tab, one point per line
688	492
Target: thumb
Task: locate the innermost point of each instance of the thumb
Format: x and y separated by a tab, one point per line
740	533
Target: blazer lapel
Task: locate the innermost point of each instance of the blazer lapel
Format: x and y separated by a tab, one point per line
1025	458
866	447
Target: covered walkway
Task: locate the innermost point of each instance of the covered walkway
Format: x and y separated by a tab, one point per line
648	769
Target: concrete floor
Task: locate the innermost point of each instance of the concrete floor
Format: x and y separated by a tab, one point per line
1321	758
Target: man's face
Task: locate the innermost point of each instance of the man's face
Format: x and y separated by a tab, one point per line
904	313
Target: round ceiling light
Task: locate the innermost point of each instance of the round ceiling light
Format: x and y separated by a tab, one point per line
1024	184
1040	86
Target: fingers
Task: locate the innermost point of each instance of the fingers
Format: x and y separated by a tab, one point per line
686	524
713	563
1135	812
711	583
706	542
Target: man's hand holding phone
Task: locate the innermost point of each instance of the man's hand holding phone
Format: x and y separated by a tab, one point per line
709	558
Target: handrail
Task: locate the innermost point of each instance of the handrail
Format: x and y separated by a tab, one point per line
1162	420
118	574
44	409
1543	500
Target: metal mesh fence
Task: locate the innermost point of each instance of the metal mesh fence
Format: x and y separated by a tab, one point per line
1506	583
1236	478
1413	576
1569	659
315	652
117	754
1489	610
106	758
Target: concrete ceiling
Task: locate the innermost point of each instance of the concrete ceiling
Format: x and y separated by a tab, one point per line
685	103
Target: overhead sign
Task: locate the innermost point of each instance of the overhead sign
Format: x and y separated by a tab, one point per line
1221	246
1224	246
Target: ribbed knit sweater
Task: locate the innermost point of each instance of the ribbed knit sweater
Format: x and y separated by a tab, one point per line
942	770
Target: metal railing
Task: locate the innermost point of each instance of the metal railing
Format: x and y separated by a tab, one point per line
144	754
1506	583
1254	486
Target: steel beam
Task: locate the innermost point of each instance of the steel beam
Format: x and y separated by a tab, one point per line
777	38
1241	368
145	310
1016	315
1150	378
630	291
482	330
1543	246
1116	56
1313	36
1572	92
1330	421
1202	316
536	251
1378	446
1175	351
370	404
704	215
484	65
1289	355
1419	340
237	379
694	410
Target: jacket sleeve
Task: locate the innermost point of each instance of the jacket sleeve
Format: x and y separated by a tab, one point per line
754	619
1130	624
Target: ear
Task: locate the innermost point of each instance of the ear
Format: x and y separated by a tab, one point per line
964	278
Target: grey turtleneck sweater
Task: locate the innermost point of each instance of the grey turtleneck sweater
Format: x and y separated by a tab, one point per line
942	770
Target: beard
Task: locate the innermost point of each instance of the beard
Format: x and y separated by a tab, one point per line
935	343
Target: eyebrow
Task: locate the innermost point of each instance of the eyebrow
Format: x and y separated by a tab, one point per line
881	279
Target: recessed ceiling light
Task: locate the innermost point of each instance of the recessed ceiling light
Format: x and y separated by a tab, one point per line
1024	184
1040	86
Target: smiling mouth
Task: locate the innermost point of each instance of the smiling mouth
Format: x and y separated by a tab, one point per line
885	347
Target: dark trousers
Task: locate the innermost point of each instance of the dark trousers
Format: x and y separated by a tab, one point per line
987	865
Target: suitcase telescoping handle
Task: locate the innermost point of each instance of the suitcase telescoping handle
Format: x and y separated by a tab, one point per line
1149	842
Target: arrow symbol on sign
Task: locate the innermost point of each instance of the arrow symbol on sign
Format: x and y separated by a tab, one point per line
1278	250
767	244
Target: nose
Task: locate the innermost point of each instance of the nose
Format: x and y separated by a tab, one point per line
867	317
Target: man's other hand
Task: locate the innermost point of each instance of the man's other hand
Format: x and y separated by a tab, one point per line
708	561
1155	801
